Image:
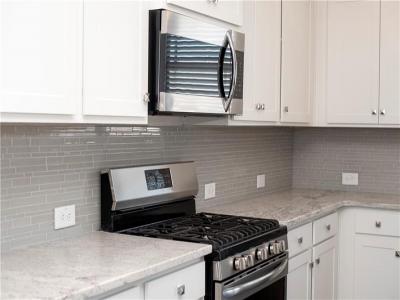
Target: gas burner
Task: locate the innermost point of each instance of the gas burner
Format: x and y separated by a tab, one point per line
219	230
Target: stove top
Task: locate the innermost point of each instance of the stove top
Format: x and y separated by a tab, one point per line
221	231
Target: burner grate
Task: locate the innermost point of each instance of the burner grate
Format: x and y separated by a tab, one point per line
218	230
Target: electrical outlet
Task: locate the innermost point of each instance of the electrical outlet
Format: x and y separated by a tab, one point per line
350	178
64	216
209	190
260	181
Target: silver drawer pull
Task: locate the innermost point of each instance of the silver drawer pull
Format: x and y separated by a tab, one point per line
317	261
180	290
328	227
378	224
397	253
300	240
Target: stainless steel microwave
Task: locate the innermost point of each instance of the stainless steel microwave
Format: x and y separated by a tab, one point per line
194	67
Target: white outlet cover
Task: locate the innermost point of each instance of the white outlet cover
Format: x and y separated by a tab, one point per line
349	178
260	181
64	216
209	190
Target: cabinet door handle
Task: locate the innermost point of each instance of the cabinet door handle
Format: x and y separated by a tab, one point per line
180	290
397	253
383	112
317	261
311	265
378	224
286	109
262	106
374	112
328	227
300	240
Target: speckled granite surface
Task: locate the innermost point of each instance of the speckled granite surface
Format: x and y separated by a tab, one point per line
296	207
90	265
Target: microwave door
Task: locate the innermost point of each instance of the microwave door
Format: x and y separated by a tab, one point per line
196	66
191	71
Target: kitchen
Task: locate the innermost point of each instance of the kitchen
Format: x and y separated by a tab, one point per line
288	146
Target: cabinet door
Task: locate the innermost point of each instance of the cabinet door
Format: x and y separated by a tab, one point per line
352	61
226	10
299	277
389	101
296	41
40	59
377	268
115	58
262	61
324	271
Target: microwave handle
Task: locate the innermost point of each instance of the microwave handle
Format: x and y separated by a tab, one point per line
228	100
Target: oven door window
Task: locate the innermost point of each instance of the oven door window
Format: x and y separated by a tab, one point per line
194	67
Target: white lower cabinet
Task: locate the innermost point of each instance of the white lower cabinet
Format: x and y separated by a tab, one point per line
299	277
377	267
312	273
369	254
135	293
184	284
324	270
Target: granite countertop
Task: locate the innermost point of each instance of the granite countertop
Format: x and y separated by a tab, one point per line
90	265
296	207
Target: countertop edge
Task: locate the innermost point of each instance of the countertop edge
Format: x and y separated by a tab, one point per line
314	215
131	280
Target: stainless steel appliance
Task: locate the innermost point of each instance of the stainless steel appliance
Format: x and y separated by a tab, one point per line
194	67
249	258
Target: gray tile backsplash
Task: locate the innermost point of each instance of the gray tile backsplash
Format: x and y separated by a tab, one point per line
43	167
320	156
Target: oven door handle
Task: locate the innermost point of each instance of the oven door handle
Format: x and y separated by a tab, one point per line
236	290
226	101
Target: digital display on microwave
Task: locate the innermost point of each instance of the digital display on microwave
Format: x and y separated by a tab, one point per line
158	179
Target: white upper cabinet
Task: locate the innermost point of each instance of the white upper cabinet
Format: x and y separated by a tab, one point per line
389	101
115	58
230	11
41	56
296	67
352	62
262	61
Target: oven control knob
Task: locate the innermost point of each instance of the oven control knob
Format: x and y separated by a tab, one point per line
282	246
262	253
274	248
239	263
249	260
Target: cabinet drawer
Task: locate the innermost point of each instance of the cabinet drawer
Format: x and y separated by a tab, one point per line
378	222
135	293
325	228
300	239
188	283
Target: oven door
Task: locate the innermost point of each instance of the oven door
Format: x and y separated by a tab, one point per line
199	66
267	281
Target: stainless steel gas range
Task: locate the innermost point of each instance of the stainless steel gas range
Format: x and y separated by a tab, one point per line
249	258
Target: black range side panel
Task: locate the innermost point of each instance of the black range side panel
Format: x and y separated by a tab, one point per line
154	59
106	203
